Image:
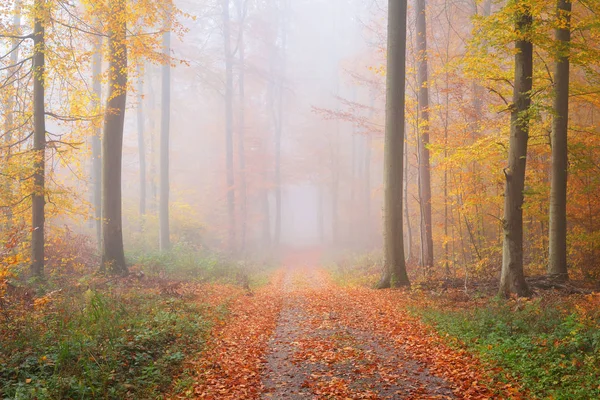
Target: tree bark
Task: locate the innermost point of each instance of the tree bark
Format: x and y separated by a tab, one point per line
141	146
423	139
113	255
279	126
38	198
229	126
394	264
165	126
10	107
96	142
557	260
409	246
242	127
512	279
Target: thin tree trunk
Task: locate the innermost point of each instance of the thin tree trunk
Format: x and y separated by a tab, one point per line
229	126
447	117
321	214
38	198
368	227
96	142
152	156
113	254
409	245
165	126
10	107
242	127
424	168
141	146
394	263
512	279
266	212
557	260
279	127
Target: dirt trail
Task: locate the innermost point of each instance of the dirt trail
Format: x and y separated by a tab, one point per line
302	337
315	354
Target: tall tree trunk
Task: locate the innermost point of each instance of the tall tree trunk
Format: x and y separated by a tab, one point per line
368	226
96	142
141	146
152	151
512	279
229	125
446	200
265	208
423	139
10	107
38	198
394	263
557	260
242	127
409	246
279	124
165	126
113	255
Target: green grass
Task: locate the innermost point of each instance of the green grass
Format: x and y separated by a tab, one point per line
187	263
100	346
551	350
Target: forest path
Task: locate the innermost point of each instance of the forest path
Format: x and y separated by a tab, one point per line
304	337
318	352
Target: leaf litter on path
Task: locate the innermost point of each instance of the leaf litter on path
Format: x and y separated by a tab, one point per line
302	337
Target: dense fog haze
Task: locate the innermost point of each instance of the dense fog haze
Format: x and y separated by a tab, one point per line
322	72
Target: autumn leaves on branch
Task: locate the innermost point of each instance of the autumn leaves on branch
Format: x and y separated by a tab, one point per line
64	39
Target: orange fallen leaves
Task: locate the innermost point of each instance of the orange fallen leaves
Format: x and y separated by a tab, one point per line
233	365
230	367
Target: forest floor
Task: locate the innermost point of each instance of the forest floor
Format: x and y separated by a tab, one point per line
304	337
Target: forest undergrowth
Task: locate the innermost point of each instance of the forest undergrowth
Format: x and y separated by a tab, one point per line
83	335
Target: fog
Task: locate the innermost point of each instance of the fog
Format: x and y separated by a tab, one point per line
326	87
275	125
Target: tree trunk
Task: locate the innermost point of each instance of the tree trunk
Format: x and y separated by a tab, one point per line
113	255
409	255
165	126
557	260
38	198
424	169
10	107
512	279
152	151
321	213
394	263
368	226
264	203
279	126
141	146
229	126
96	142
242	127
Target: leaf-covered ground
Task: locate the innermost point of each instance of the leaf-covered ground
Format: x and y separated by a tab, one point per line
303	337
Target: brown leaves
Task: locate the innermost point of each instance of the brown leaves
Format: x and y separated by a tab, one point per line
334	343
230	367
